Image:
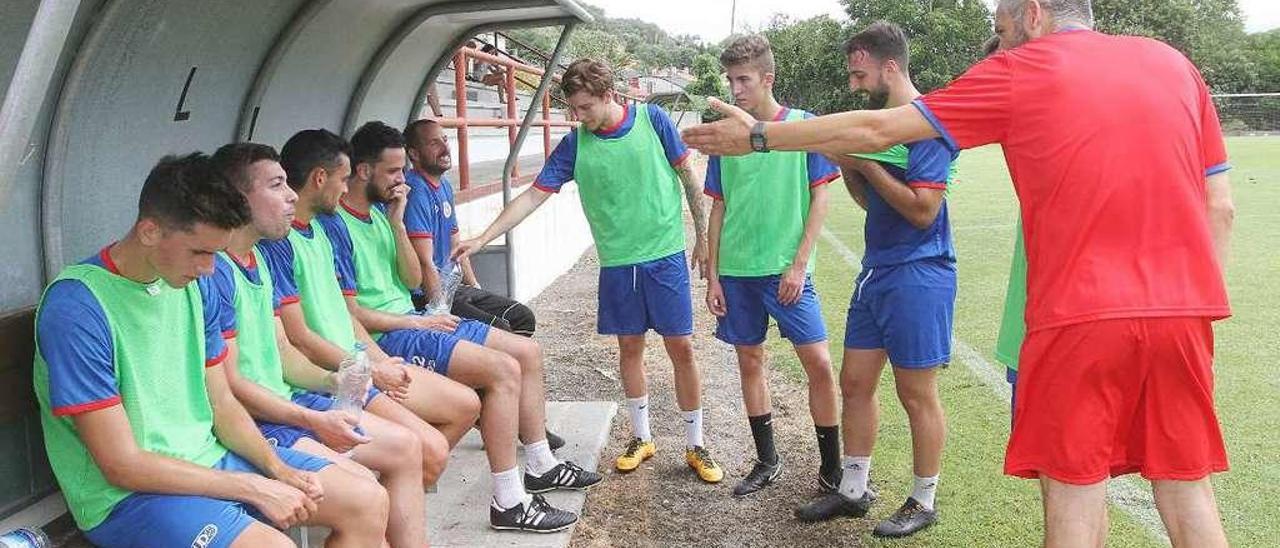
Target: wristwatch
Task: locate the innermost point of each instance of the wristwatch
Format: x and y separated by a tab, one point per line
758	141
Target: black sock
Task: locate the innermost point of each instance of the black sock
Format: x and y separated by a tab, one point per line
828	448
762	431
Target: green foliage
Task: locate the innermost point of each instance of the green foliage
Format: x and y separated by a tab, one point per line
1209	32
1264	49
624	43
706	83
946	35
809	64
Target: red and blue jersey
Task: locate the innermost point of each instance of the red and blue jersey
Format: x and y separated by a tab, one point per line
279	257
821	170
1108	140
75	341
559	167
890	238
430	213
222	284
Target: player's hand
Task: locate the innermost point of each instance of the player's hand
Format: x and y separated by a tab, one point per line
446	323
715	298
391	376
281	503
397	202
728	137
698	258
791	285
336	429
465	249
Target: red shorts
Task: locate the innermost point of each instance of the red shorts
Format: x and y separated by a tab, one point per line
1114	397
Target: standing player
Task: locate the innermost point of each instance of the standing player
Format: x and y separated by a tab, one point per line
630	164
1124	258
765	219
903	299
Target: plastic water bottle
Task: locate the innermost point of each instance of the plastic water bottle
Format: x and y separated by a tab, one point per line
25	537
354	375
450	279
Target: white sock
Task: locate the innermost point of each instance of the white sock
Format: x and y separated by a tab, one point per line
508	489
692	427
925	490
853	477
538	458
639	409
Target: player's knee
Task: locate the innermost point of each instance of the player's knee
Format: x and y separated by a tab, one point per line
435	456
466	408
918	400
854	388
506	372
529	353
362	507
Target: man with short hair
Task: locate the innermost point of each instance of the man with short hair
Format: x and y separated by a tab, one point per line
766	214
903	301
1125	258
148	443
383	267
630	166
287	394
326	275
432	222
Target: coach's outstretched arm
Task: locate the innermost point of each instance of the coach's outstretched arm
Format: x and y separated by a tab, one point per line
857	131
515	212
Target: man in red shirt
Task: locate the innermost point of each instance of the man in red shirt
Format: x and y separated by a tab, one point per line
1127	215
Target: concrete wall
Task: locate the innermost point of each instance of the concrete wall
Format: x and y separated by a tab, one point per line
547	244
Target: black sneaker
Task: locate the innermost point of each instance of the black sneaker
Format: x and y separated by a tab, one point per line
565	475
836	505
911	517
536	517
554	441
829	482
761	475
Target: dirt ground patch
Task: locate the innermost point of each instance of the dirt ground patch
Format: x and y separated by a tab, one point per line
663	503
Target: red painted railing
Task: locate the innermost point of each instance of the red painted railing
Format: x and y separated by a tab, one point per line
462	122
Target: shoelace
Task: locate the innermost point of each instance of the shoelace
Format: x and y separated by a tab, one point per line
705	457
633	447
905	513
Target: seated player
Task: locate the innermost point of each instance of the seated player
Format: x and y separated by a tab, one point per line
148	443
285	392
316	317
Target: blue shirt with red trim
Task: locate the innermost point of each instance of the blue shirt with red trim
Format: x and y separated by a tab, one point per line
222	284
1110	176
821	170
279	257
75	340
890	238
430	214
559	167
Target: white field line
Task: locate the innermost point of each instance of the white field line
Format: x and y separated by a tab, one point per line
1124	492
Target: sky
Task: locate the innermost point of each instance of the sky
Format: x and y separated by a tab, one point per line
710	18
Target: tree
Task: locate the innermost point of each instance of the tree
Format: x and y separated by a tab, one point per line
706	83
946	35
1209	32
809	64
1264	50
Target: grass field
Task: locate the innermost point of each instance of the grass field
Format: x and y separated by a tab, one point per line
981	507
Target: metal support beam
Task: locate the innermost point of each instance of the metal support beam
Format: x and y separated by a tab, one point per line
529	114
31	83
267	70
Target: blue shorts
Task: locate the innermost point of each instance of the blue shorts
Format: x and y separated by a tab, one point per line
907	310
749	302
432	349
286	435
142	520
651	295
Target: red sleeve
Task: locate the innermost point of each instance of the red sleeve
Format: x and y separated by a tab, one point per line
1212	144
974	110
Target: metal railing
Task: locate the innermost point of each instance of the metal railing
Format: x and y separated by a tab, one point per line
462	122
